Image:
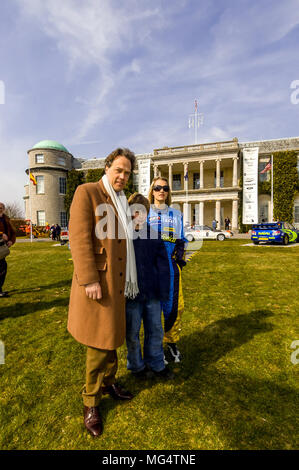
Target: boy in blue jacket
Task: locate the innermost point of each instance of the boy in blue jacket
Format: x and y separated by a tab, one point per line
153	276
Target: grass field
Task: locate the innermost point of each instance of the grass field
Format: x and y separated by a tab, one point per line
235	389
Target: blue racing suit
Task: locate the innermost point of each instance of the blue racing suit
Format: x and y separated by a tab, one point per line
169	223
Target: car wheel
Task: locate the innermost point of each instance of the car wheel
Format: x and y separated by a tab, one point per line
256	242
221	237
189	238
285	240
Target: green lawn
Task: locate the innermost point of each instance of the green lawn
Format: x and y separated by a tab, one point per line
235	389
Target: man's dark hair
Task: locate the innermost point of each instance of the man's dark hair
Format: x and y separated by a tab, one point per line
121	152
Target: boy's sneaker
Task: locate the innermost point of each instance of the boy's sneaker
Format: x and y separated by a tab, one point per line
4	294
143	374
165	374
173	353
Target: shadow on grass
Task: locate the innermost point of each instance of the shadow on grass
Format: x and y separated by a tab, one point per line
249	412
205	347
21	309
63	283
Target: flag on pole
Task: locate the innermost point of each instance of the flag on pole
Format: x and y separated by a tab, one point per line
196	106
267	167
32	178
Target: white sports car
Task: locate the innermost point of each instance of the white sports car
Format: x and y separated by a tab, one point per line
204	232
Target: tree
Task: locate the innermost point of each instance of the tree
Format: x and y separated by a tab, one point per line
14	211
93	176
74	179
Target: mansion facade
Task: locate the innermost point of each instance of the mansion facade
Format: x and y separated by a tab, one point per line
204	179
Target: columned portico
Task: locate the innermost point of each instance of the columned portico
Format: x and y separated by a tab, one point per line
212	183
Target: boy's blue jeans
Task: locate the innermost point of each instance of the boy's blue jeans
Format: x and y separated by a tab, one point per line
150	312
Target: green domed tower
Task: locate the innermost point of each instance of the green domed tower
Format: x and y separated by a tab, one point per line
49	163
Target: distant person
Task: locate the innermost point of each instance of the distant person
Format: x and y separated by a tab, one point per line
8	235
53	232
214	224
227	222
57	231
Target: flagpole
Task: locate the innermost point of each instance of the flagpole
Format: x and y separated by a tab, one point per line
272	169
30	208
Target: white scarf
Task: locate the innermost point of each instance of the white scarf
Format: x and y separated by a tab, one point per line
120	202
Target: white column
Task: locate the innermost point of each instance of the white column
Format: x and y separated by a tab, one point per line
187	213
201	174
235	215
170	174
218	172
235	171
201	212
185	181
196	206
155	171
218	214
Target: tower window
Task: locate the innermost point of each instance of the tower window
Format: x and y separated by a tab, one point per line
41	218
40	185
39	158
62	185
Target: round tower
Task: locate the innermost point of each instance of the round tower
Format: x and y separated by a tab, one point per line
49	163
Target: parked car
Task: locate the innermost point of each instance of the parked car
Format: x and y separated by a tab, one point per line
274	232
204	232
64	236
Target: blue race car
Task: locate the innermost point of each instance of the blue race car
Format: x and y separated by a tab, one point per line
274	232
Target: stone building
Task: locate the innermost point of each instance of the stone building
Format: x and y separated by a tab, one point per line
205	178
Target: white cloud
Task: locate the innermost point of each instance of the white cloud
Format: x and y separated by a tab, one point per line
89	33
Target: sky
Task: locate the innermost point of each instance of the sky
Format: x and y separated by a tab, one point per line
99	74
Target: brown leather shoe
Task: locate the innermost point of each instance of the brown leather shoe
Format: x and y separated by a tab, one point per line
116	392
93	421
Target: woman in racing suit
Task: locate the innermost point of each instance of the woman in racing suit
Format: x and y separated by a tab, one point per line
168	222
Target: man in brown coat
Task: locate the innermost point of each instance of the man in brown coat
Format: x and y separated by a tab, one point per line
9	235
97	301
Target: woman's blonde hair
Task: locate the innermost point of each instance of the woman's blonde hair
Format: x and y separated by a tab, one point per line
151	190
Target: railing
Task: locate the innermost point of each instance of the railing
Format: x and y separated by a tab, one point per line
200	147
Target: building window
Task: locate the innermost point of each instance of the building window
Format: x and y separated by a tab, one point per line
221	179
263	176
196	181
61	161
296	219
176	183
62	185
40	186
63	219
41	218
39	158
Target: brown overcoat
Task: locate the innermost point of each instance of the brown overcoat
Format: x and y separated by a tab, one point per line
97	323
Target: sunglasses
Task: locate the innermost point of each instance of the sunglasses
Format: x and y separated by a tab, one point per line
158	188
